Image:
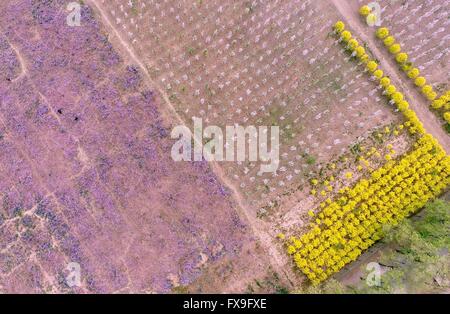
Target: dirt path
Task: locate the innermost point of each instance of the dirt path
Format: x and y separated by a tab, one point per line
417	102
275	259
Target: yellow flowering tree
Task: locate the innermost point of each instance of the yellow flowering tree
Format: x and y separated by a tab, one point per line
394	49
420	81
389	41
339	27
413	73
401	57
364	10
382	32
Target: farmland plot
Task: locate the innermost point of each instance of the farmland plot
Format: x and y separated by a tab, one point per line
257	63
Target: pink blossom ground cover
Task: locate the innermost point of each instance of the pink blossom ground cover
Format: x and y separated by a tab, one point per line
85	168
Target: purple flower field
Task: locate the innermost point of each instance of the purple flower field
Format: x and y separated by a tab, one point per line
85	168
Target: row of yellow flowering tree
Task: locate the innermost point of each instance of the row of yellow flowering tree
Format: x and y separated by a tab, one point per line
442	104
394	95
